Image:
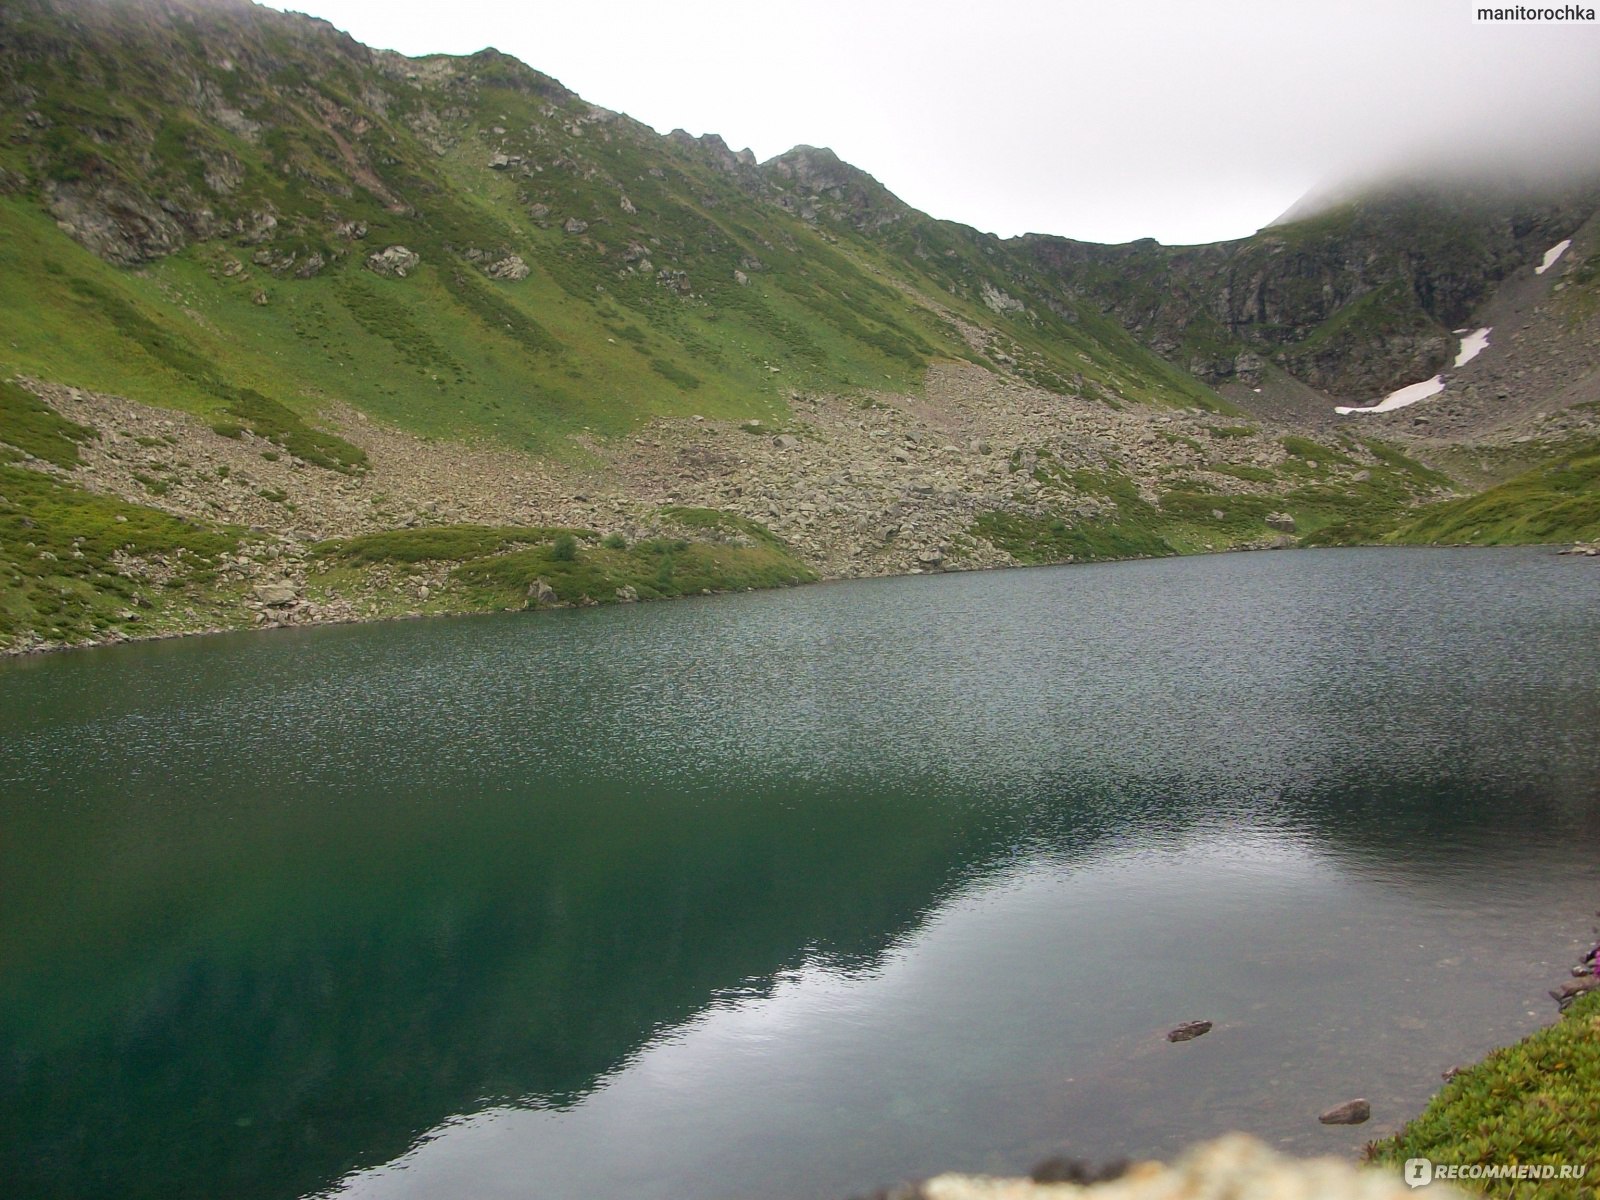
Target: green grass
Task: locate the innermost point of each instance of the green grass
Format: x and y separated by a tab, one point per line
493	567
1031	539
1556	502
723	524
1537	1101
32	426
62	551
1243	471
1327	510
1420	472
1307	450
434	543
655	569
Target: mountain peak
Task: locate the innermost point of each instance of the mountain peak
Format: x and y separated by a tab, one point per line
819	182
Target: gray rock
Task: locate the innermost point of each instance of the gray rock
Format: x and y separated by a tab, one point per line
275	595
541	593
395	261
574	226
1351	1112
786	441
510	267
627	595
1189	1030
120	224
1568	992
1280	520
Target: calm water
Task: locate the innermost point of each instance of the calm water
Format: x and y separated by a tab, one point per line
793	894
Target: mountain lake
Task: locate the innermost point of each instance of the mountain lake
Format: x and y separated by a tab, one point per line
793	894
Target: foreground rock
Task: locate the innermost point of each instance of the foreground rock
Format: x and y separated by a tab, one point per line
1568	992
1189	1030
1235	1166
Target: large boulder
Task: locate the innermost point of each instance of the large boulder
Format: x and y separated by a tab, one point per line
275	595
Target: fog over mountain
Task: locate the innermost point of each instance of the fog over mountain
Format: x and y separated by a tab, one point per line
1168	119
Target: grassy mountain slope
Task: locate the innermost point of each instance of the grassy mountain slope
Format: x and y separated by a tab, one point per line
1558	501
252	183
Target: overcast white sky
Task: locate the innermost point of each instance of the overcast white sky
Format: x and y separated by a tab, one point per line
1184	120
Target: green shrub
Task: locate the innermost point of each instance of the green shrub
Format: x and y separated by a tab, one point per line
564	548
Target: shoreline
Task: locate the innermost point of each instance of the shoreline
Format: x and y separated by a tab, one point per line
1526	1104
319	621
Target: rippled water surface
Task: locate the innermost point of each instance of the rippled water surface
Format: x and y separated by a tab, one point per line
793	894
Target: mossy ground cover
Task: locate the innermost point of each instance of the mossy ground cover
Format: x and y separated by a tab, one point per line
656	569
1537	1101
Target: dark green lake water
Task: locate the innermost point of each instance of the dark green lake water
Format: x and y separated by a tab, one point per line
794	894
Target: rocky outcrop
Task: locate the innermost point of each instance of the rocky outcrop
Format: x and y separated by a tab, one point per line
118	221
395	261
813	181
511	267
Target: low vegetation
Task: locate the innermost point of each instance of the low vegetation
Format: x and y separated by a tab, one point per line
498	567
433	543
1556	502
1537	1101
30	425
76	566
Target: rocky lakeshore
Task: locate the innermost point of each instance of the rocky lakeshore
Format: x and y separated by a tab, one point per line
976	471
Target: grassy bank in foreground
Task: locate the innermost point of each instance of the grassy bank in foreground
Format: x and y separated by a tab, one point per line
1537	1101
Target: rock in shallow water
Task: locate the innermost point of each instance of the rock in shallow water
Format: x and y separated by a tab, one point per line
1189	1030
1351	1112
